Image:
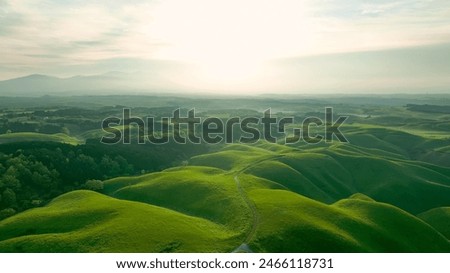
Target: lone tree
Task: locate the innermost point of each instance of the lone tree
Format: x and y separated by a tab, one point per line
94	185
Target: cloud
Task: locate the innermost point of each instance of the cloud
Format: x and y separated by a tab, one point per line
77	30
416	69
372	12
8	18
63	37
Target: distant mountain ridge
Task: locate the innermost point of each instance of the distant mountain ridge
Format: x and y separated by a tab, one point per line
112	82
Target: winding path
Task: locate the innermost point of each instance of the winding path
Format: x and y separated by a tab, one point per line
255	216
244	247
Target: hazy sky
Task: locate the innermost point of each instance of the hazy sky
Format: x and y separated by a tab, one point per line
236	45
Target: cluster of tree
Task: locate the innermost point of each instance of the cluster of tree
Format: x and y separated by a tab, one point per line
41	127
29	180
33	173
51	121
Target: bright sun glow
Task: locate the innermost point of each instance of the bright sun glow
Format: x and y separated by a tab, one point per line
222	73
228	41
231	46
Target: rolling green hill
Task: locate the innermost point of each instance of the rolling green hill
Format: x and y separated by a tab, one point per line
84	221
28	136
409	144
331	173
198	191
292	223
439	218
263	197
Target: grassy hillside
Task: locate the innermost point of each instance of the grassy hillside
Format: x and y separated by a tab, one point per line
410	144
439	218
233	156
331	173
292	223
84	221
198	191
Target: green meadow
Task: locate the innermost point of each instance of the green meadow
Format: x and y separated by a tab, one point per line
386	190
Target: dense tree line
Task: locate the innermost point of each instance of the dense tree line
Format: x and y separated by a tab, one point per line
33	173
41	127
441	109
28	180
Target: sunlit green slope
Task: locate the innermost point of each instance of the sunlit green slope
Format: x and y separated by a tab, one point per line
84	221
439	218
